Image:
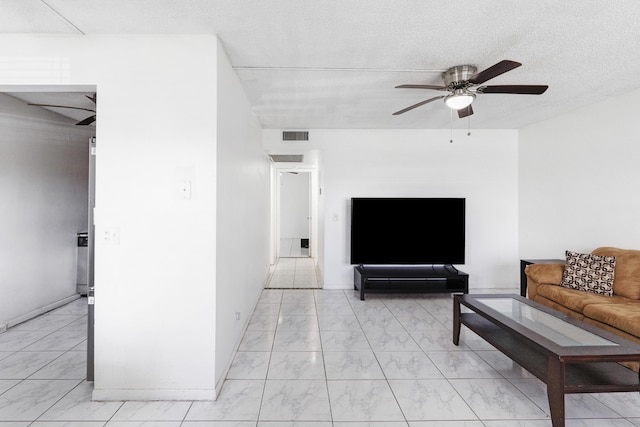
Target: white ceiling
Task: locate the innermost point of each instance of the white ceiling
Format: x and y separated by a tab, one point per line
71	99
334	63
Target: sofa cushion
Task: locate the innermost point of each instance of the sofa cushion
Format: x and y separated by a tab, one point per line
558	307
627	279
573	299
631	365
589	272
623	316
545	273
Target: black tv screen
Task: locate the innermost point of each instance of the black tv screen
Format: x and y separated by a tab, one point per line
407	230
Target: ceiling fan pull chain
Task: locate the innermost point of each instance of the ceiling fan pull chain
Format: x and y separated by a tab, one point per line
469	125
451	127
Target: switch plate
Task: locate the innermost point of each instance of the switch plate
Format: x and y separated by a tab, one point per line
185	189
111	236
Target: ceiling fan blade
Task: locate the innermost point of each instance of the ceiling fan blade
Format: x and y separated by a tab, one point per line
63	106
86	121
516	89
464	112
434	87
419	104
494	71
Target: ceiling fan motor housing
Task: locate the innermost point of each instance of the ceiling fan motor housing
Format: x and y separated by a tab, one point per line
457	77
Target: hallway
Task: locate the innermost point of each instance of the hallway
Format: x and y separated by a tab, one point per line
294	273
292	248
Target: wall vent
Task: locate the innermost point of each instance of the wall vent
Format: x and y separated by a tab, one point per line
295	135
287	158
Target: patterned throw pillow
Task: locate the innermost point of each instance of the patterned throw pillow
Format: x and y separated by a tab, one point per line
588	272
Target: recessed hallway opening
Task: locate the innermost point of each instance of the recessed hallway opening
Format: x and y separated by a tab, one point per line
294	228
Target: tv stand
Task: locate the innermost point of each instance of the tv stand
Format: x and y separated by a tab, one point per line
450	268
405	278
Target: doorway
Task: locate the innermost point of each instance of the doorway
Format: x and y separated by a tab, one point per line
54	121
295	214
294	228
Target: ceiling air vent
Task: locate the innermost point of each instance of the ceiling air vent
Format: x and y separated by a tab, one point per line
295	135
287	158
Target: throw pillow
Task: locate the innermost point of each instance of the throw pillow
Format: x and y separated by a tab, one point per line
588	272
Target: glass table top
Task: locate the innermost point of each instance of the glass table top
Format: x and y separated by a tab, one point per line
550	327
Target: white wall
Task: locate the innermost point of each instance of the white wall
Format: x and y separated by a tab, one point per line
43	193
155	289
242	214
294	205
579	178
422	163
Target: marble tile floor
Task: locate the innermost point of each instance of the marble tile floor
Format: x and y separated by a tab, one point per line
294	273
316	358
291	248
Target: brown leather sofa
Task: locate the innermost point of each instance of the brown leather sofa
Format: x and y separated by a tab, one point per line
618	314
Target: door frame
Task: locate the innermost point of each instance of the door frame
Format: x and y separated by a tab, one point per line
276	170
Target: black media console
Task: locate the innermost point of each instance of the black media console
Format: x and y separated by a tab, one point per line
424	278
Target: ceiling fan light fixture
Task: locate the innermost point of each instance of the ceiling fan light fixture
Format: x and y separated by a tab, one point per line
458	101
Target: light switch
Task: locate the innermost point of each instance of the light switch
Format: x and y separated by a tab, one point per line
111	236
335	217
185	189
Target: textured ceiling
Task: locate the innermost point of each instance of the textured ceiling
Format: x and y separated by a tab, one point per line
334	63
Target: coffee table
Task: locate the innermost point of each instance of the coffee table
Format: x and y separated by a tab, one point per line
568	355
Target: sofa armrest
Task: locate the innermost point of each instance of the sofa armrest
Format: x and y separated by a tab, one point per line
537	274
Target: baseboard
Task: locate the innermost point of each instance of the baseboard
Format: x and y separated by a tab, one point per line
152	395
37	312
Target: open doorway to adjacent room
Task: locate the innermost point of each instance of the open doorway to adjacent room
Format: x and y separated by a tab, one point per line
295	214
49	153
294	225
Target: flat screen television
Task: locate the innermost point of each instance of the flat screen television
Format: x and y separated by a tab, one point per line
407	231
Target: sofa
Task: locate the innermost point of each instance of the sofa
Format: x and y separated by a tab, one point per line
618	313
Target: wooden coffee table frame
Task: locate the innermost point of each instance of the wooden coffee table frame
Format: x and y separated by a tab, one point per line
564	369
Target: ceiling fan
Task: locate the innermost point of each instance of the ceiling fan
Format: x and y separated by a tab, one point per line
464	83
83	122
